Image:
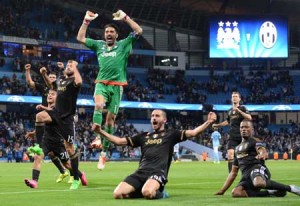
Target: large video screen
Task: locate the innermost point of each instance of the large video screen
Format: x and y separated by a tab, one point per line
248	37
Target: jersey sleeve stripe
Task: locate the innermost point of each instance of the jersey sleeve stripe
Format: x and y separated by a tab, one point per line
129	140
182	135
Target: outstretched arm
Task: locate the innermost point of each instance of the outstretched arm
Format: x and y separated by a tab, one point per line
211	117
113	139
222	124
230	179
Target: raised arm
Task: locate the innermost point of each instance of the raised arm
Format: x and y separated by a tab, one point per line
89	16
61	67
77	75
29	81
211	117
121	15
230	179
47	80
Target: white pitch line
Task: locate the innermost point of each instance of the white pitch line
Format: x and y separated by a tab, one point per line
45	191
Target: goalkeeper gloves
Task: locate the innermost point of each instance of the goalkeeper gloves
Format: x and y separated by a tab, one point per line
89	16
120	15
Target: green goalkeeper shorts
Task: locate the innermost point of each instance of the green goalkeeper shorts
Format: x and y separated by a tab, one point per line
112	94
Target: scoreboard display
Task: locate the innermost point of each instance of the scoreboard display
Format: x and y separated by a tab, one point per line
248	37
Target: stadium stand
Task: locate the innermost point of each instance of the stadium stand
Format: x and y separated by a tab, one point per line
48	21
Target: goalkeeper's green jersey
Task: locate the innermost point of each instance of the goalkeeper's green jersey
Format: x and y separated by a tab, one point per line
112	63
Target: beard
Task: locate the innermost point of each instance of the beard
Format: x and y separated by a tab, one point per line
110	43
70	74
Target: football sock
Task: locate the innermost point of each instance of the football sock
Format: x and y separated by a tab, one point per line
74	164
58	164
35	174
272	185
106	143
97	117
230	165
158	195
39	131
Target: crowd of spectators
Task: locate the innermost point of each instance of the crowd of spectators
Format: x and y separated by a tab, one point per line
12	85
28	19
43	20
260	87
14	125
263	86
18	17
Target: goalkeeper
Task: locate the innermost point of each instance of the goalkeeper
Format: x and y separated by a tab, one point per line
112	59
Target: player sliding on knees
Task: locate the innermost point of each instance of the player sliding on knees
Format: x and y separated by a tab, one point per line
150	178
256	180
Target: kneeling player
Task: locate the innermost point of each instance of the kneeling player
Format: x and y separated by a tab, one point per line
256	181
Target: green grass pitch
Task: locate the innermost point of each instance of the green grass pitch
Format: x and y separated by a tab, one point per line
190	183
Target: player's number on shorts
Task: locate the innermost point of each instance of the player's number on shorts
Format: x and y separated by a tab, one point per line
71	139
64	155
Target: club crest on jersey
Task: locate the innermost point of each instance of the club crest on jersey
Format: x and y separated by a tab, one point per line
155	136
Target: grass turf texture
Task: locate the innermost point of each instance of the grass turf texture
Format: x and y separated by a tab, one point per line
190	183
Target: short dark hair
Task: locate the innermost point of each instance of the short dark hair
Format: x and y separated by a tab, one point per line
247	120
236	92
113	26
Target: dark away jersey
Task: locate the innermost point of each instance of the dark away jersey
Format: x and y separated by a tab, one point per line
67	93
43	90
245	154
234	119
157	148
